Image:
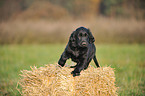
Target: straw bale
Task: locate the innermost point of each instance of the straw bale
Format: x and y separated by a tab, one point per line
53	80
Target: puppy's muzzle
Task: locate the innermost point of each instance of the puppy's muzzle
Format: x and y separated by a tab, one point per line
83	43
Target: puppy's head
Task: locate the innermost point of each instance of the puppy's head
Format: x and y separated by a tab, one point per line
81	37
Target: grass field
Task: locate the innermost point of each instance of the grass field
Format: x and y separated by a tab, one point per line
128	61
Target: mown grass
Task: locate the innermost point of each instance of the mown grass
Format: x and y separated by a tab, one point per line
128	61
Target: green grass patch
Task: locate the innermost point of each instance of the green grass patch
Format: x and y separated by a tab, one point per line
128	61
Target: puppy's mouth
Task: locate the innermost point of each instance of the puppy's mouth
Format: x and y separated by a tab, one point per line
83	44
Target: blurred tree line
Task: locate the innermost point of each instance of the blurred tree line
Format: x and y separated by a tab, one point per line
73	8
123	8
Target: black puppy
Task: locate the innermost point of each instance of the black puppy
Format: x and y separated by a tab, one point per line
80	49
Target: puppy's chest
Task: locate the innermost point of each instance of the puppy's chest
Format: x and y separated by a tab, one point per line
75	53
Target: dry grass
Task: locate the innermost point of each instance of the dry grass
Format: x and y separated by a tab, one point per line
105	30
52	80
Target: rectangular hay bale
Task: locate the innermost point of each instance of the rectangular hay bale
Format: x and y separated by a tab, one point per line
52	80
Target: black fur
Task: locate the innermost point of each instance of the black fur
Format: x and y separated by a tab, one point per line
80	49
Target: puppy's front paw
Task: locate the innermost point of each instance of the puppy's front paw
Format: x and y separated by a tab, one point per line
75	74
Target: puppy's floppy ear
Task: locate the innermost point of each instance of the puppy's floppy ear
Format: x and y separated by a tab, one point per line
72	39
91	38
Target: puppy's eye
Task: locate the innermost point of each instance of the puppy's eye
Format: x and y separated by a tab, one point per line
81	34
85	34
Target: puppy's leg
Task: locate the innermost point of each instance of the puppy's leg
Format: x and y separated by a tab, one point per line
75	73
63	59
95	60
87	64
79	67
73	66
88	61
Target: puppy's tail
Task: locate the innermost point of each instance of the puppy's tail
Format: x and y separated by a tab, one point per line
96	62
